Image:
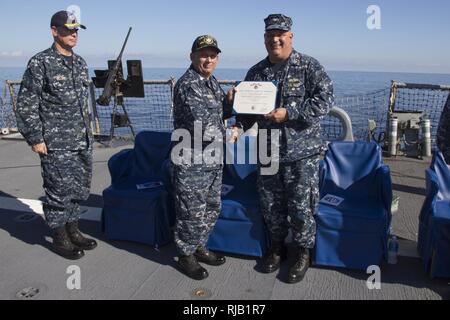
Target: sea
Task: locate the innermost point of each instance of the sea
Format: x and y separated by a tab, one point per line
345	82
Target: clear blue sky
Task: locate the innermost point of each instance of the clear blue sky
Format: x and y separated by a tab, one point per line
414	36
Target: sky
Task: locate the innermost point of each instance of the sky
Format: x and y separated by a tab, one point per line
414	35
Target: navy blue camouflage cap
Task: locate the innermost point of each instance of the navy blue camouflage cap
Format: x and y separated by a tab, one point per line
205	41
278	22
65	19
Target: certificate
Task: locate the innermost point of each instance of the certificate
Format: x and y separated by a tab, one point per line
253	97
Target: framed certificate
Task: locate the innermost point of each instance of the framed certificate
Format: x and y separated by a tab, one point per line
255	97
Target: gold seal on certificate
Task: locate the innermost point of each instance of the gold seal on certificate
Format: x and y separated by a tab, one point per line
255	97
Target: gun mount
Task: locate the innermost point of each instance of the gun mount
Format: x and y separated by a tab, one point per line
116	87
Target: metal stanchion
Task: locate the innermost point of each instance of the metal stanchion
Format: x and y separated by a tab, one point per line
426	137
393	132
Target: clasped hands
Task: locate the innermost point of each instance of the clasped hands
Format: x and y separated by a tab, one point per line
40	148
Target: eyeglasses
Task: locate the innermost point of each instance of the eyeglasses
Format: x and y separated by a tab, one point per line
64	31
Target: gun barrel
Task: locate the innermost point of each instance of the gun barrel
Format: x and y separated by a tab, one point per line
124	44
105	98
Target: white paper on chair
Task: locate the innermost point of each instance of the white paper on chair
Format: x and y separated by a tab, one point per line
149	185
226	189
332	200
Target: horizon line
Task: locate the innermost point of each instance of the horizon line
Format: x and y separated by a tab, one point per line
233	68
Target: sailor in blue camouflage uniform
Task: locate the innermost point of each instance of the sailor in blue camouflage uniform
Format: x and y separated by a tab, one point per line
52	115
305	94
199	102
443	132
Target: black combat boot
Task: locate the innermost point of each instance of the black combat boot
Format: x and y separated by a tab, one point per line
213	259
271	261
190	267
77	238
301	265
63	246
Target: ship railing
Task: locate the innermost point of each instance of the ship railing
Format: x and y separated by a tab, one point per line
154	112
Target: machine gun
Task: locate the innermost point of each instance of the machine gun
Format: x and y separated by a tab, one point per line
115	78
117	88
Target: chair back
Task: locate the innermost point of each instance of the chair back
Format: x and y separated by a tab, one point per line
350	168
442	170
151	149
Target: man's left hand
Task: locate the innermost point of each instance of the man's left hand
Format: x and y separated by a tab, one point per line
279	115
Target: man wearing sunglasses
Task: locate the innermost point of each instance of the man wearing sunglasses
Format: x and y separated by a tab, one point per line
52	115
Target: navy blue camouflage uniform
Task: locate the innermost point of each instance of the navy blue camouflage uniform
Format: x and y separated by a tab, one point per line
306	91
198	186
443	132
52	107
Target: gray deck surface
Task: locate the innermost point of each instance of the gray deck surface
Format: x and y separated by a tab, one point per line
125	270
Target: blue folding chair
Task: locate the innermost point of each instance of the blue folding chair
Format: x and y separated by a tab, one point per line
353	225
240	228
137	205
434	220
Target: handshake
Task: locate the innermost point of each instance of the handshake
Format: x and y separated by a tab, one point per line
234	133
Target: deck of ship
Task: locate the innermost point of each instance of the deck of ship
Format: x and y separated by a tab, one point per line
125	270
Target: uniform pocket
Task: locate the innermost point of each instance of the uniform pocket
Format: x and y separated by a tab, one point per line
60	81
61	89
294	93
